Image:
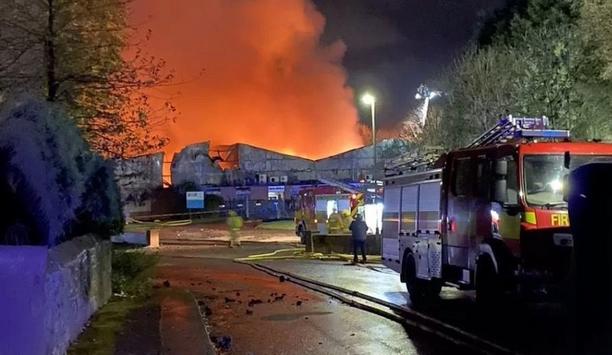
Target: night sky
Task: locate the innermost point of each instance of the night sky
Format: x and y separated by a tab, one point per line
275	71
394	45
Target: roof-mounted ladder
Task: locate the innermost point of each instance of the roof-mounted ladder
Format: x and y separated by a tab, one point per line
510	128
339	184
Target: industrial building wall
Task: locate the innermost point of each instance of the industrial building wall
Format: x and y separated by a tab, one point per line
358	163
255	162
137	178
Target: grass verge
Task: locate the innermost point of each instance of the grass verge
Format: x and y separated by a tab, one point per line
131	279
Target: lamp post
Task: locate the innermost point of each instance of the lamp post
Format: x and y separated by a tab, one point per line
370	100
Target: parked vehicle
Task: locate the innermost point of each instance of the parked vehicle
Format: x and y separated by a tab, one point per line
489	217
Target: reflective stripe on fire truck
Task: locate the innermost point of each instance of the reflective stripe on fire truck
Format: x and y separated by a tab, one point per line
530	217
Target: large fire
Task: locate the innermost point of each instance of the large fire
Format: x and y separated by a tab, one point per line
252	71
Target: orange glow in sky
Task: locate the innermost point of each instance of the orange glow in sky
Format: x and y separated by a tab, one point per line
252	71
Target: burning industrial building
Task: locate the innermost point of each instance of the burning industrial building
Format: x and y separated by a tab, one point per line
234	171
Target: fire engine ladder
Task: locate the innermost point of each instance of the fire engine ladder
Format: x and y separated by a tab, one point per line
339	184
421	160
510	128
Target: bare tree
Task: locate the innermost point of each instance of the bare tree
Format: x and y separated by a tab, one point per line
411	129
74	53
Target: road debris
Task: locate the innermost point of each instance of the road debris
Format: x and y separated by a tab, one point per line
223	343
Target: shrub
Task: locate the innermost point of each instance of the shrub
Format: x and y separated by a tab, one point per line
132	271
52	186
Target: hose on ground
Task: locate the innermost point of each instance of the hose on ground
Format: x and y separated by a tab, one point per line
300	253
294	253
179	223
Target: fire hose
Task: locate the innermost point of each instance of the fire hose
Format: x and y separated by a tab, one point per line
179	223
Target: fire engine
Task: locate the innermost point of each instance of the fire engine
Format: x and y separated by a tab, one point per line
489	217
329	208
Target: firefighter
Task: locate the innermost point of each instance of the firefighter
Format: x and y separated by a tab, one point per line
334	222
359	230
346	220
234	222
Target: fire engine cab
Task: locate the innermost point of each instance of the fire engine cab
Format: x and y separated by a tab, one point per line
489	217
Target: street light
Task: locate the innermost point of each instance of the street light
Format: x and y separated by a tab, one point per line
370	100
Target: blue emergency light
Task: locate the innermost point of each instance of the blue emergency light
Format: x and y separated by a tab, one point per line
543	133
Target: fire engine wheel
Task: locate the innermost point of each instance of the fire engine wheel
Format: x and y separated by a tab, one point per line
488	287
421	291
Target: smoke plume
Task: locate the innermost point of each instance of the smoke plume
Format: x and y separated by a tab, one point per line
252	71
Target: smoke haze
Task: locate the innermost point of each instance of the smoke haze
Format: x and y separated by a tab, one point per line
252	71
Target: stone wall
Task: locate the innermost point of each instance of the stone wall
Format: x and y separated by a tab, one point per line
48	295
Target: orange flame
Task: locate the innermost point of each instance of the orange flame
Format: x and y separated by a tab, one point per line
267	79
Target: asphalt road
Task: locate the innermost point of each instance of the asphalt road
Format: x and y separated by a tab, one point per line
262	315
524	327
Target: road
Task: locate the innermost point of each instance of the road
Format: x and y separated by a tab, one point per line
198	260
289	319
524	327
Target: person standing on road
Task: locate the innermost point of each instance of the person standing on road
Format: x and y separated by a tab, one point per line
234	222
359	230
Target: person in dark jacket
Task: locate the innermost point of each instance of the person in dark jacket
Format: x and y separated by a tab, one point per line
359	230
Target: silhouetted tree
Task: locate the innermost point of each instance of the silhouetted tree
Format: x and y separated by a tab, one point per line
77	53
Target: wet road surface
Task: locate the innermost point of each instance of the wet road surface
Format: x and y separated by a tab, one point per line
262	315
530	328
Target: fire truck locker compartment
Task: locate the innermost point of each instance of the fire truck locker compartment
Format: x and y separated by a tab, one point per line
427	241
429	207
409	206
419	227
408	221
390	230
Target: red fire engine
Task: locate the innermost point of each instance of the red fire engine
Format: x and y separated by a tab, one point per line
490	216
326	209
